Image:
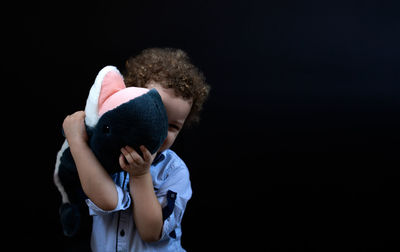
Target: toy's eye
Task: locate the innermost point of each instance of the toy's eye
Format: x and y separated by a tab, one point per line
106	129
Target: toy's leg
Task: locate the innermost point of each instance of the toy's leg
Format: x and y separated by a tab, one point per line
67	181
70	218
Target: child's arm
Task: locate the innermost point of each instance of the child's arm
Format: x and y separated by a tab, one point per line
96	183
147	212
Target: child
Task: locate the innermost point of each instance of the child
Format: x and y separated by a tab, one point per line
141	208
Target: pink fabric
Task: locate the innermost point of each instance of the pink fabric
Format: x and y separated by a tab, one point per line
112	83
121	97
114	93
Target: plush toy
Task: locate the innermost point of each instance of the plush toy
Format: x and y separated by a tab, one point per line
116	116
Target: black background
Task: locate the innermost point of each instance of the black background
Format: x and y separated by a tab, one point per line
298	147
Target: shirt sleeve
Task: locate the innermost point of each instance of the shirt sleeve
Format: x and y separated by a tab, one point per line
124	201
173	195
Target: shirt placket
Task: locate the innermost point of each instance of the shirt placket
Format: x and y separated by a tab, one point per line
122	241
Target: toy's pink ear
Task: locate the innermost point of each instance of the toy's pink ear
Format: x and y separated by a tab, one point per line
112	83
120	97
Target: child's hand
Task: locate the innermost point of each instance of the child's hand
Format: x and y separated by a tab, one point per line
131	162
74	127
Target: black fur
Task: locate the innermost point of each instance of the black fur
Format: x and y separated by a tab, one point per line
141	121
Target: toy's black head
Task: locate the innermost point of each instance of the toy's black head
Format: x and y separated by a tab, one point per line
141	121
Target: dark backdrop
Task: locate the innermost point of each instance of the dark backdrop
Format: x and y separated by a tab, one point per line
298	147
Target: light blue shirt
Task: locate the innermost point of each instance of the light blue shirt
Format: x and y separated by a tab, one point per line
115	230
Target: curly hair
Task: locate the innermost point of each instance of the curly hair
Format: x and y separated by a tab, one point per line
171	68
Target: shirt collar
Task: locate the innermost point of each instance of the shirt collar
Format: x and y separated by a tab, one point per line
159	157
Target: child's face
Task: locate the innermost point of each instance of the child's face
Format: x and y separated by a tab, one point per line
177	110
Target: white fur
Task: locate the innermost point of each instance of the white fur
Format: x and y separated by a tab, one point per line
91	109
56	178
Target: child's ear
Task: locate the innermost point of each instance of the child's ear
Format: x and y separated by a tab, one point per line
108	81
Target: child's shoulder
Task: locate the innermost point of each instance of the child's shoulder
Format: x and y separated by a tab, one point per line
173	160
169	163
171	155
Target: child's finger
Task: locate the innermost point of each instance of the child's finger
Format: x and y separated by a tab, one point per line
122	161
127	155
134	155
146	153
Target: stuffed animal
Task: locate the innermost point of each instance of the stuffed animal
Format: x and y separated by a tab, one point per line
116	116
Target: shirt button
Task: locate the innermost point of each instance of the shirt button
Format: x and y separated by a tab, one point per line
122	233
